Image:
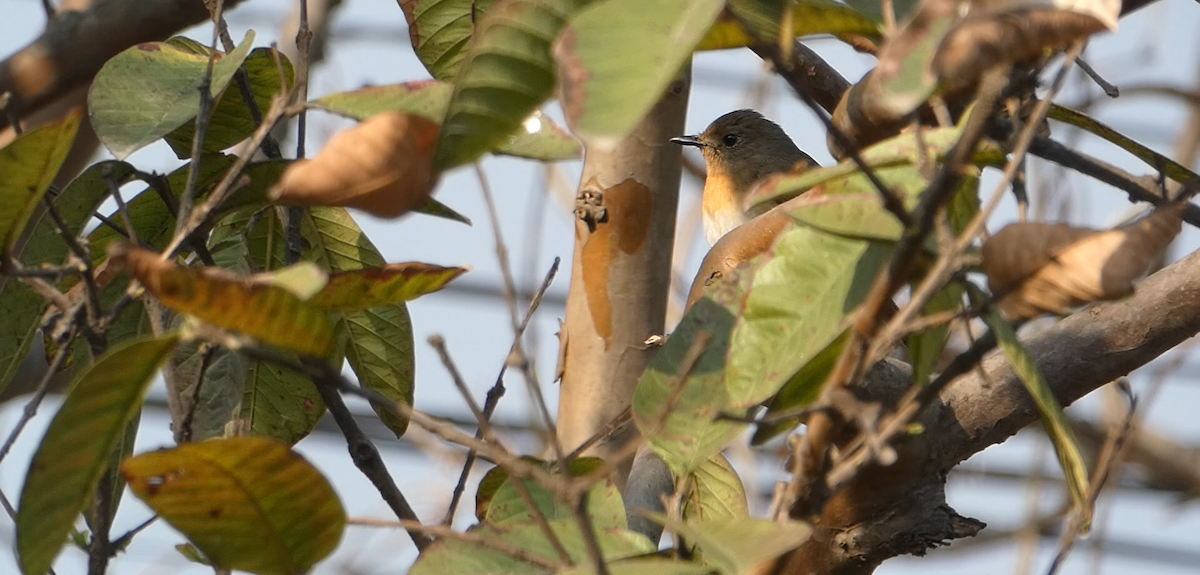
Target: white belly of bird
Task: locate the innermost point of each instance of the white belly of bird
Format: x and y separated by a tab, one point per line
721	223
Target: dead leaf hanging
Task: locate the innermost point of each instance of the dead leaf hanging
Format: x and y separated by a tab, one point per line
1036	268
383	166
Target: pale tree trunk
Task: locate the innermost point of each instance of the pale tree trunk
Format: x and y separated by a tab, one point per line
621	272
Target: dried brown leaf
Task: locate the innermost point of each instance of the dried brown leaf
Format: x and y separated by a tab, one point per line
383	166
1036	268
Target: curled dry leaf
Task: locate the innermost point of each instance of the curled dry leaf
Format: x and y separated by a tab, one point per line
383	166
1036	268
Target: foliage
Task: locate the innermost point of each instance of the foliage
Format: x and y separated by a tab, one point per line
259	295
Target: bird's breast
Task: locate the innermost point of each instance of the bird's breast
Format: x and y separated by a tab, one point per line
722	207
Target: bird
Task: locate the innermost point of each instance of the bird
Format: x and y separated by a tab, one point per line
740	148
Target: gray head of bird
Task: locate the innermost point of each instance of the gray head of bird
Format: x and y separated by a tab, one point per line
746	147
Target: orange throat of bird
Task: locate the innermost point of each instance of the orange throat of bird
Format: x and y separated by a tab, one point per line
722	208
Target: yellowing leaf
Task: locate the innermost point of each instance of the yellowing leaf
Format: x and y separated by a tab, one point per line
716	493
75	450
382	166
27	166
763	16
248	503
1036	268
372	287
738	546
268	313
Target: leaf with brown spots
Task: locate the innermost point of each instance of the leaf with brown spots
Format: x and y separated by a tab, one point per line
74	452
382	166
361	289
262	310
1037	268
248	503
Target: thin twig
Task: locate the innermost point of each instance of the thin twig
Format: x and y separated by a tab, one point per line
364	454
441	531
206	351
31	407
203	113
439	345
122	541
1110	90
497	391
292	240
617	424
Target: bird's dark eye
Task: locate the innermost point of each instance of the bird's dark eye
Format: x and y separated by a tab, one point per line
730	139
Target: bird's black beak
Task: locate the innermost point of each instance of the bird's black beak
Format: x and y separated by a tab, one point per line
689	141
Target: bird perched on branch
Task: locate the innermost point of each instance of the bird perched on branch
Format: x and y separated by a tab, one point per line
740	149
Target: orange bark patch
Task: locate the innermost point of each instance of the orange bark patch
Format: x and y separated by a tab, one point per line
628	209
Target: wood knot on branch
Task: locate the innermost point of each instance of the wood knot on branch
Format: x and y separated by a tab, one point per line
589	207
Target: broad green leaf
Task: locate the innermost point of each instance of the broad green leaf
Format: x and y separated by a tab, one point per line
360	289
231	122
22	309
112	470
857	216
735	547
898	151
716	493
800	391
615	58
440	31
220	393
763	16
277	403
76	447
507	74
27	166
605	506
248	503
873	8
450	555
490	483
1058	429
539	138
1155	160
268	313
149	90
679	423
642	566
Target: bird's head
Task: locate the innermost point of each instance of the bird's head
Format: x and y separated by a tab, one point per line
746	147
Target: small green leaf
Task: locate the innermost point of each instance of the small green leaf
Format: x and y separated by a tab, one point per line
506	76
874	10
605	505
642	566
27	166
763	16
76	448
925	347
440	31
380	351
1058	429
231	121
490	483
615	59
192	554
735	547
149	90
248	503
450	555
716	493
1155	160
434	208
539	138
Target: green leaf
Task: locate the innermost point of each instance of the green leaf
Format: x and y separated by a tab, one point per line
679	422
440	31
763	16
248	503
449	555
800	391
231	122
277	403
909	79
642	566
901	150
737	546
76	447
490	483
541	140
605	505
716	493
221	392
615	59
27	166
20	315
506	76
1155	160
149	90
874	10
1058	429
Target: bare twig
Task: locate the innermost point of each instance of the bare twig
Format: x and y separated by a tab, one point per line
206	351
122	541
203	114
439	345
1110	90
43	387
497	391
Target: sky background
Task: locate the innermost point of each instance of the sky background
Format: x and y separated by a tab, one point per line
1138	531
